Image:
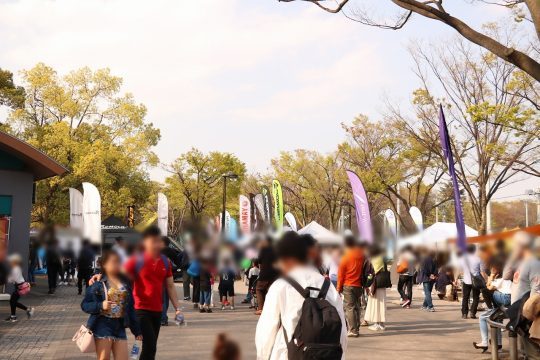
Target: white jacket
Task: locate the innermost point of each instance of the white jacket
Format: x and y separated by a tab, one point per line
283	306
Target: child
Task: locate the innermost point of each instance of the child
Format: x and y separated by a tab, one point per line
205	287
16	278
110	305
226	349
226	284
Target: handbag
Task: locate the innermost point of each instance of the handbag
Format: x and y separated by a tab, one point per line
23	288
382	278
84	338
477	281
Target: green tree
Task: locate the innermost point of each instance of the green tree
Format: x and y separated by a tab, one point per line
198	178
84	122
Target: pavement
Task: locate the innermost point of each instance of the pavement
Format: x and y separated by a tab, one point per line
411	333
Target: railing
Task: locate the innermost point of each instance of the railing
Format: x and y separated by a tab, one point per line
494	327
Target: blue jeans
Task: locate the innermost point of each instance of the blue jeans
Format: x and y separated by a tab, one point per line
165	308
484	328
205	298
428	288
501	299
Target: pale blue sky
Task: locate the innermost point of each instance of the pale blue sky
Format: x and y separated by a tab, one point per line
251	77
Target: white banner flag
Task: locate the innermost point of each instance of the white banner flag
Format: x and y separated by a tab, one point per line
416	215
391	220
76	209
163	214
245	215
91	213
291	220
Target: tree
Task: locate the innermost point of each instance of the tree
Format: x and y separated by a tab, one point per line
100	135
395	165
11	95
198	176
495	132
315	186
528	10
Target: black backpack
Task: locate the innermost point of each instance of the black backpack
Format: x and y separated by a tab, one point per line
318	332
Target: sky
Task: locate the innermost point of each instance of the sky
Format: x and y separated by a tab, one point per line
251	77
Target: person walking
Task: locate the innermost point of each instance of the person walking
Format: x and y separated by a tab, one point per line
54	264
110	305
205	287
174	257
85	265
186	279
405	269
285	300
16	278
376	306
150	271
268	272
427	276
349	284
470	265
32	261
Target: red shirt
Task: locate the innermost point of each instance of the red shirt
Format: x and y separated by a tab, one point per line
149	282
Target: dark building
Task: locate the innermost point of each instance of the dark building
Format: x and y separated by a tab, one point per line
21	165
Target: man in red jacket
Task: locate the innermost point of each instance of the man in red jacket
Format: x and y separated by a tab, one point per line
350	284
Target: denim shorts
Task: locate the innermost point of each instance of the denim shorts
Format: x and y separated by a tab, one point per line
109	328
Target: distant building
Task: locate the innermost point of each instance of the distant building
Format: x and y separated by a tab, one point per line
21	165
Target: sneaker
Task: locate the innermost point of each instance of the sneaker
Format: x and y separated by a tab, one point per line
187	298
472	316
406	303
408	307
222	307
424	308
208	310
381	327
164	323
431	309
202	310
232	307
30	312
353	334
464	316
11	319
364	323
374	327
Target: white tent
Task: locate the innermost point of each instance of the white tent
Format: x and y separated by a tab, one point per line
436	235
321	234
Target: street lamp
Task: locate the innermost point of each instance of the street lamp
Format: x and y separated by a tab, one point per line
532	193
232	176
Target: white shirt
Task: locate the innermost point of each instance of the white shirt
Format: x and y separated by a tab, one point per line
503	286
15	276
283	306
472	265
254	271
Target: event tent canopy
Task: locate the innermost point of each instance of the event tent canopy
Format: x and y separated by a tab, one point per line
321	234
435	235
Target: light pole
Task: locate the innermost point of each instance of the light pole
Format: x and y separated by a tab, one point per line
534	193
232	176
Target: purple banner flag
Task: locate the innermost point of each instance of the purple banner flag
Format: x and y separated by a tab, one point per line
363	219
447	151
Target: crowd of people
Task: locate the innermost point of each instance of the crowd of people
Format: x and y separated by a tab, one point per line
308	298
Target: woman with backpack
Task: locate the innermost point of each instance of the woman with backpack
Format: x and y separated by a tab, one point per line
16	278
376	306
111	307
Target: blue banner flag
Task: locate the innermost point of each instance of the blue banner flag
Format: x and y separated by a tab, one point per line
447	151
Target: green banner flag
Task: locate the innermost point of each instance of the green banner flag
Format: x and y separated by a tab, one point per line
278	204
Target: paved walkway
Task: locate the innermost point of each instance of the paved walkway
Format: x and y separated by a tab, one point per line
410	334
